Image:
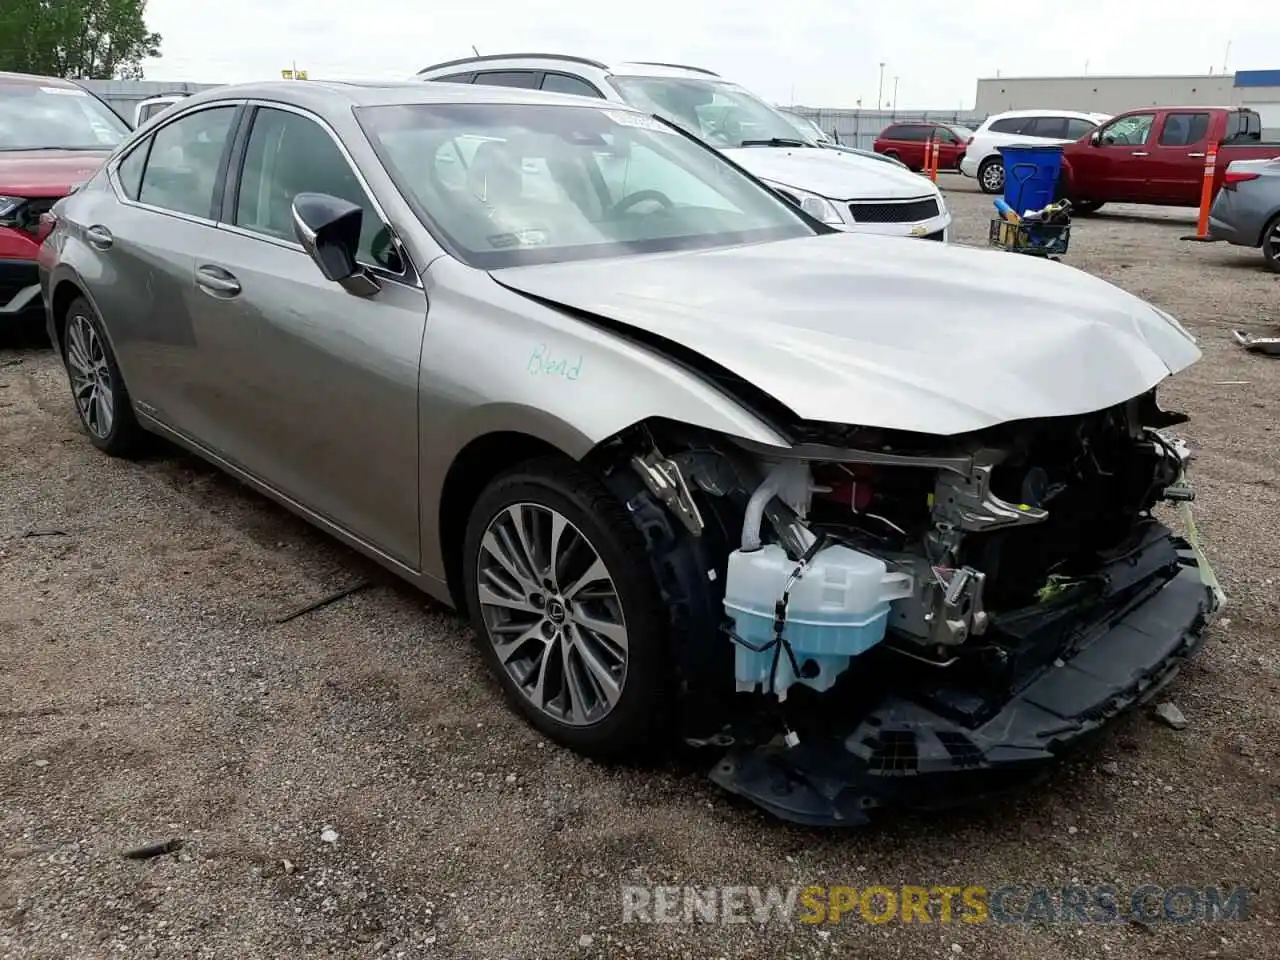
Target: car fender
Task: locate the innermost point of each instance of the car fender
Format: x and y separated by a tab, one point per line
518	366
60	273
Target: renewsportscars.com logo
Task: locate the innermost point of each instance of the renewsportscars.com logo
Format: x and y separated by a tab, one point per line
1105	903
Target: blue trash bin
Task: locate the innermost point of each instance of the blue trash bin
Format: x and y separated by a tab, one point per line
1030	176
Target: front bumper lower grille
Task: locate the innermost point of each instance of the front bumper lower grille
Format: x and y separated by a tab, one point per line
909	212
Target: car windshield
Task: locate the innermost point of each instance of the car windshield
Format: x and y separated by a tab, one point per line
806	126
33	117
964	133
723	114
511	184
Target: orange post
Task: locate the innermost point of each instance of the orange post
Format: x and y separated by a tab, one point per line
937	156
1206	195
930	158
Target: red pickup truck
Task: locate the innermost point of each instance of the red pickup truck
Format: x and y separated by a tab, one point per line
1156	155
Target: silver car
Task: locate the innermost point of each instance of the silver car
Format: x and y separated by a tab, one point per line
1246	211
841	507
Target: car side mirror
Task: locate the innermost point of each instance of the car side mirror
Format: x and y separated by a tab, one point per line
1095	138
329	230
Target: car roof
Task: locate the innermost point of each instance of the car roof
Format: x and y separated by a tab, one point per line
1047	112
318	94
553	61
30	79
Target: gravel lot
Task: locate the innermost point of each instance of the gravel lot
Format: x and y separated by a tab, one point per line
147	693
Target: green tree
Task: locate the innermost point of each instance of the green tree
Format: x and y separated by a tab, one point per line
86	39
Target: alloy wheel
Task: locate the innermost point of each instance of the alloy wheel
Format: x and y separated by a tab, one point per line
552	612
993	177
91	382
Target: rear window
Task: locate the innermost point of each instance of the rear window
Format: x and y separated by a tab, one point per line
34	117
1243	125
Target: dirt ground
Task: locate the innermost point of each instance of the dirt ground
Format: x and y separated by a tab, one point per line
147	693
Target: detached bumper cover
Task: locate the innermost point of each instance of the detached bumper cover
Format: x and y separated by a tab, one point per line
908	754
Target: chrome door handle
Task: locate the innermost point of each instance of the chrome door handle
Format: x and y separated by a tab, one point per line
1195	154
216	280
99	236
1139	153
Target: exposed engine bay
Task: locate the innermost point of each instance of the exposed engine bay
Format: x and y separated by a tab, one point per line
953	573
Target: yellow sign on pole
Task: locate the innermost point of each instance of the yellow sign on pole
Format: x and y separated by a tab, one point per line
286	74
300	75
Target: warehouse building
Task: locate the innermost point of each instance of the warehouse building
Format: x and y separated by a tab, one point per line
1259	89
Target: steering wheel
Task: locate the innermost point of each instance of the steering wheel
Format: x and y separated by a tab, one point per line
640	196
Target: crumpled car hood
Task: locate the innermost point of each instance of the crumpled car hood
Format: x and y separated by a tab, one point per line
886	332
831	173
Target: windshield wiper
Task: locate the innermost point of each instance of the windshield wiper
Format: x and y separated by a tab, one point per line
776	142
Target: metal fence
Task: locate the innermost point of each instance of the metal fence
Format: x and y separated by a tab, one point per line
859	128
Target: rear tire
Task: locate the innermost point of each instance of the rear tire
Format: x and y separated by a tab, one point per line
1085	208
590	668
101	399
991	175
1271	245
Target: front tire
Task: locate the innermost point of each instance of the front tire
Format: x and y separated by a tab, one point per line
101	399
1085	208
567	611
991	175
1271	245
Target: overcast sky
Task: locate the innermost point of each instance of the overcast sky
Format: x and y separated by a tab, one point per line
813	52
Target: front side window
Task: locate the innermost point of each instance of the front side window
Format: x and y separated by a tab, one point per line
35	117
186	155
719	113
288	154
509	184
1130	131
1184	129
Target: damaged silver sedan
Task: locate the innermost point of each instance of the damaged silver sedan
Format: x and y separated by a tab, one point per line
872	519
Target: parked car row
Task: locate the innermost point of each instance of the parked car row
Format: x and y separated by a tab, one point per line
692	459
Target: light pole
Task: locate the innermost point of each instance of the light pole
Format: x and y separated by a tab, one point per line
880	91
895	93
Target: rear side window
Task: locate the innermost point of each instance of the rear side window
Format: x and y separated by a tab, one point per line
1078	128
563	83
526	79
1010	125
1184	129
907	132
129	171
186	156
457	78
1053	128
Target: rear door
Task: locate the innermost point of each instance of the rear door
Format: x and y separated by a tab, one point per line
1115	168
145	240
311	389
1176	165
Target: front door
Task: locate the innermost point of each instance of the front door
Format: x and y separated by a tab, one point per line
315	390
1177	157
1115	168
